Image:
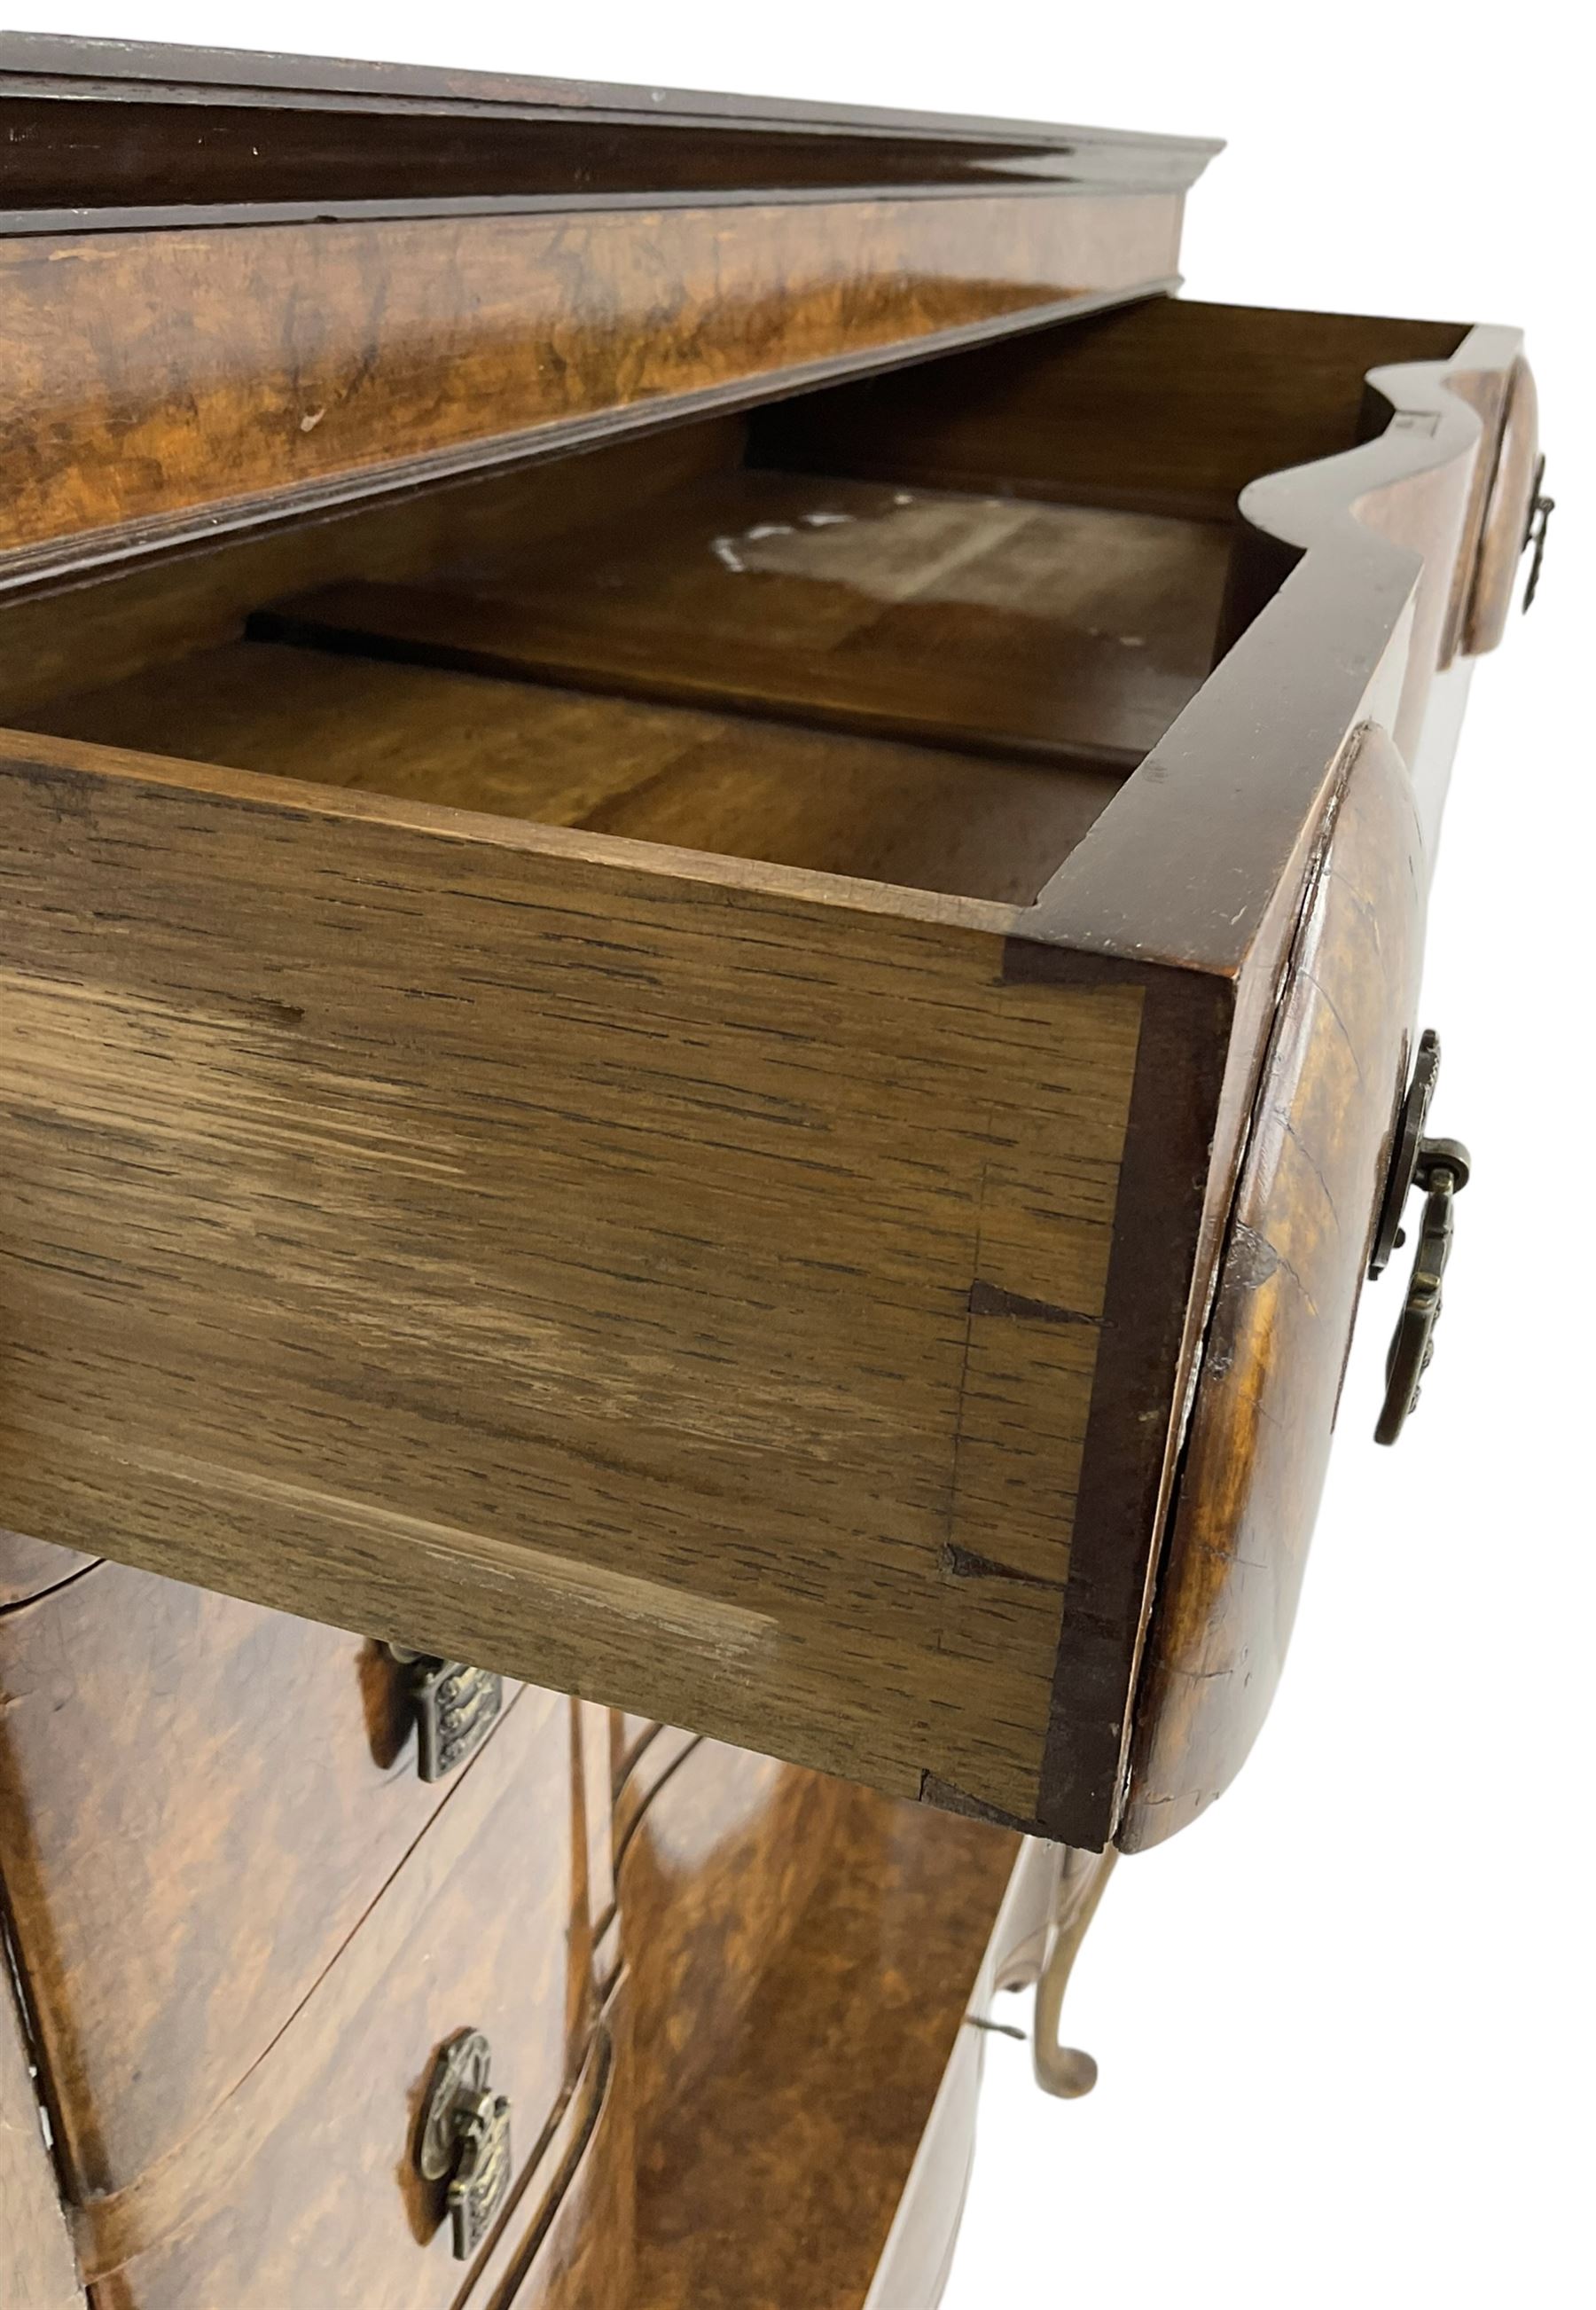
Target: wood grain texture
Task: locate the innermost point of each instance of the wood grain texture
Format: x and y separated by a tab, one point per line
923	817
529	1193
1202	859
198	1802
327	359
718	1861
38	2269
107	159
122	618
308	2164
915	2261
1296	1255
785	2038
915	817
580	2251
992	624
771	2166
1189	1035
1191	880
565	2238
1170	406
27	1567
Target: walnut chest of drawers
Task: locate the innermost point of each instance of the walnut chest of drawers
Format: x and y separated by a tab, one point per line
713	844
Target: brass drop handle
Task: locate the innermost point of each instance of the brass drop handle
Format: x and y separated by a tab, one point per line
1439	1168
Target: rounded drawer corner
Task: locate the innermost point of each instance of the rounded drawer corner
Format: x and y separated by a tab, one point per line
1302	1229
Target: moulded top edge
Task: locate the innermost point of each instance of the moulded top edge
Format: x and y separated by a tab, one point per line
143	67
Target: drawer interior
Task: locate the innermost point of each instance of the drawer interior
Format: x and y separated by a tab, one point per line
930	687
917	630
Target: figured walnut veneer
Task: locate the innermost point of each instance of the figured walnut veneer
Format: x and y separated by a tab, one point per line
27	1567
198	1803
308	2163
258	368
37	2268
773	2160
1298	1248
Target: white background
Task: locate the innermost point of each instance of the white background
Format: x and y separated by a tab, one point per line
1344	2023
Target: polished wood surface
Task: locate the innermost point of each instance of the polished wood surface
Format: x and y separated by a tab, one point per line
1204	859
581	2249
1036	1206
198	1802
308	2164
779	1925
132	132
27	1567
795	2096
750	2098
717	1865
336	277
916	2259
179	148
462	111
123	620
442	342
37	2270
1296	1250
566	2237
785	2047
746	1074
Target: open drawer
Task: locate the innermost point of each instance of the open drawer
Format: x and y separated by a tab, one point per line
642	1076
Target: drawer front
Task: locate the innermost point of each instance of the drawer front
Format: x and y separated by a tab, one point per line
27	1567
198	1801
37	2268
1506	513
310	2164
787	2034
570	2239
1299	1246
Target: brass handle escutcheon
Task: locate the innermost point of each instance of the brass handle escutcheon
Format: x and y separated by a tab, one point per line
466	2138
453	1708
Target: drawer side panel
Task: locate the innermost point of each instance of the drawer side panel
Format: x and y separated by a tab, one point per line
662	1287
